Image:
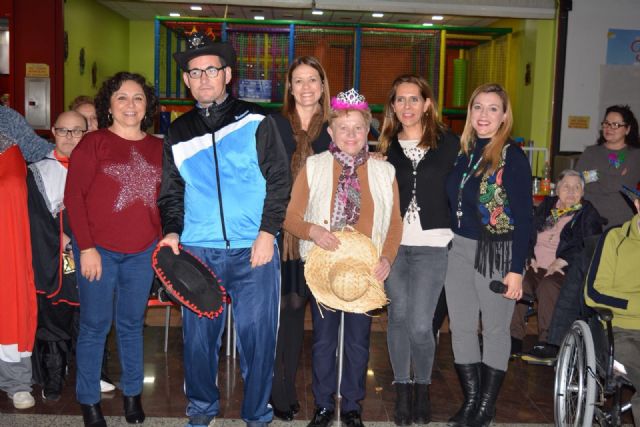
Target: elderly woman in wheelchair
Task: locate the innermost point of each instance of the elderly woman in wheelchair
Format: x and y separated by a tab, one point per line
586	371
560	225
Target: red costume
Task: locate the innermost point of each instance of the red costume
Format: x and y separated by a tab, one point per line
18	312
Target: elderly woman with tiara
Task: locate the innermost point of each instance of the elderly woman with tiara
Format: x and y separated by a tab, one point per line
337	189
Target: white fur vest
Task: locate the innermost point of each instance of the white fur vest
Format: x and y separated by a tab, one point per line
320	178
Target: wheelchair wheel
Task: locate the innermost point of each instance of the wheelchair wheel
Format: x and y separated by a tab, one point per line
575	382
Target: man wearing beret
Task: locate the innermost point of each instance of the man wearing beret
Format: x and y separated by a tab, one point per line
225	188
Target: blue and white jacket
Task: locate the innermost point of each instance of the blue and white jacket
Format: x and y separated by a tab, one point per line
251	166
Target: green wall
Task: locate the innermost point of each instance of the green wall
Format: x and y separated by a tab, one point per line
533	43
141	48
104	35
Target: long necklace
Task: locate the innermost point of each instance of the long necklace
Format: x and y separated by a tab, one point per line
465	177
415	155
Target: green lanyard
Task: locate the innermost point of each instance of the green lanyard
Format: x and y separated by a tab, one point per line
465	177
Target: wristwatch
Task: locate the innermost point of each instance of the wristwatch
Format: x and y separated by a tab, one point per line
68	247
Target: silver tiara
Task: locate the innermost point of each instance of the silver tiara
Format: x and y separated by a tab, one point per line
350	99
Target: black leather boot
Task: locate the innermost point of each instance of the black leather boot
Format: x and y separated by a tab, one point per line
402	414
92	415
469	376
491	380
133	412
421	404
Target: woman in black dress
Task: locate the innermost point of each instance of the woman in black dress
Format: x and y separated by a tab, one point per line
303	126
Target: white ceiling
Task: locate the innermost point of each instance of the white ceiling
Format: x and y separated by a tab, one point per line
464	13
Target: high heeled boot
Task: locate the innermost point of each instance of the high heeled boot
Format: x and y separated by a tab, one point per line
402	414
491	381
469	376
421	404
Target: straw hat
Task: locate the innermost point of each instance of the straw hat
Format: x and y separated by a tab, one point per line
343	279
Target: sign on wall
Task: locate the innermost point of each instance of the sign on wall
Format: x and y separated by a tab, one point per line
623	47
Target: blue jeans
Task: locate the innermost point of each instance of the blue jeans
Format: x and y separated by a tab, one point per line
120	295
255	296
413	287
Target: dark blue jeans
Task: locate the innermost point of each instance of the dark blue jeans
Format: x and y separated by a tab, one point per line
413	287
357	331
120	295
255	294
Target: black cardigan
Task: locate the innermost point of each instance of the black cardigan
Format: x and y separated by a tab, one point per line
586	222
430	186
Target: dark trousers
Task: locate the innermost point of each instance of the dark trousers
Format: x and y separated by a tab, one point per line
546	290
357	330
290	337
627	346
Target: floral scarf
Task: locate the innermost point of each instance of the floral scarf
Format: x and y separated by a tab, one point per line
346	207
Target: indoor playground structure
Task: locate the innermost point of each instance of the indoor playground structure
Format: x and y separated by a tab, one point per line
365	56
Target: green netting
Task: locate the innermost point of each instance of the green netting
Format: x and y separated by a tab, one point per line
171	39
488	63
388	53
263	58
334	47
366	57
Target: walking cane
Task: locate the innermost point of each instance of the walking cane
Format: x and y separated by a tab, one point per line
340	360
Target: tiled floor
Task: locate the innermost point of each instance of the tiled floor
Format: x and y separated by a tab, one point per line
526	396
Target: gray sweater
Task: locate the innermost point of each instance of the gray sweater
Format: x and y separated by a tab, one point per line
14	129
605	193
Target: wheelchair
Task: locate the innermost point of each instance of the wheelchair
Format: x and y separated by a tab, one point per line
588	390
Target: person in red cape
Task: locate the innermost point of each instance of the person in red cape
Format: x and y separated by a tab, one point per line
18	309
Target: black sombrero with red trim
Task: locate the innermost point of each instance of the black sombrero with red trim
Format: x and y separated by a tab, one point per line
189	281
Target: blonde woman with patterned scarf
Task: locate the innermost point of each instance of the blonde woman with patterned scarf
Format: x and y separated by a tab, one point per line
340	188
490	198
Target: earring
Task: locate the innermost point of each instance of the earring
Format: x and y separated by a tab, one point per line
110	117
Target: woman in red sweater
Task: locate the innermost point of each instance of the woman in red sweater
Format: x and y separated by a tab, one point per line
112	185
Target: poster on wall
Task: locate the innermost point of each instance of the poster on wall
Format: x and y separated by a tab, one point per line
623	47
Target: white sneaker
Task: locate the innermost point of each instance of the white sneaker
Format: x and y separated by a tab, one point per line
106	387
23	400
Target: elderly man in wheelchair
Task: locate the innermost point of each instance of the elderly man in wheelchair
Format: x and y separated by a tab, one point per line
587	371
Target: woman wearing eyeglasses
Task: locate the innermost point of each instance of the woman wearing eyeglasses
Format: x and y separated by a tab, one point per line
423	152
112	187
613	162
